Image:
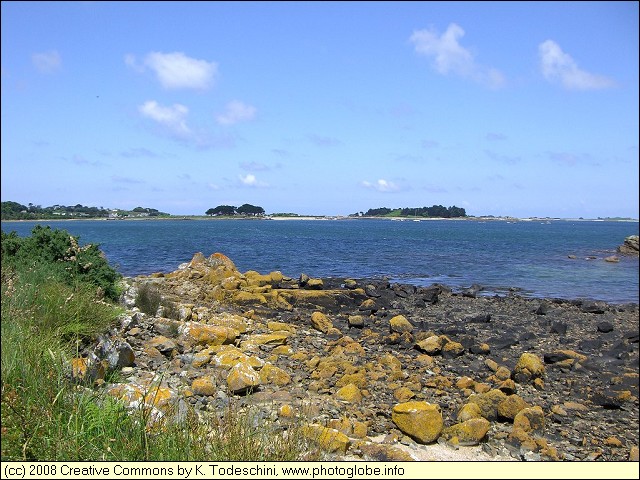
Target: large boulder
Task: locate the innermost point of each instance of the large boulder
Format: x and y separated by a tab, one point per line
630	246
421	421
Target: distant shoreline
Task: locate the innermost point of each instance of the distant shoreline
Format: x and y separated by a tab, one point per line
339	217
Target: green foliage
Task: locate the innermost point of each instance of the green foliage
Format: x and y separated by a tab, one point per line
436	211
230	210
65	257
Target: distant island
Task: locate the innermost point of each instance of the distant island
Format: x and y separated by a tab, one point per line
435	211
18	211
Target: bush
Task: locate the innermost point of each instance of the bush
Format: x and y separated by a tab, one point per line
71	262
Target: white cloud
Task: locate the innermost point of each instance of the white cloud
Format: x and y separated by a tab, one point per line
235	112
558	66
173	118
451	57
176	70
47	62
250	180
382	185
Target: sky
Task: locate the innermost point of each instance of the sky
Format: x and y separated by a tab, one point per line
323	108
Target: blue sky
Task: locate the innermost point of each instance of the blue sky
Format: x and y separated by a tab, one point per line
523	108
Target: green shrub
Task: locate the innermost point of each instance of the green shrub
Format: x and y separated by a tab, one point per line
66	258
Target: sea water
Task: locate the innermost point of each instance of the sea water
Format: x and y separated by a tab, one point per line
529	257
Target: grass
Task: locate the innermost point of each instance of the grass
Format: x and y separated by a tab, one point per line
45	322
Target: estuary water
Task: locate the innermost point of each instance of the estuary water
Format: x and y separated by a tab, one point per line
531	257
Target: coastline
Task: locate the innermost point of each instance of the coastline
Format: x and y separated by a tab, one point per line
337	217
348	351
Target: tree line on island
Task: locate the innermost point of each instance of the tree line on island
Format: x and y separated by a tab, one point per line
230	210
17	211
435	211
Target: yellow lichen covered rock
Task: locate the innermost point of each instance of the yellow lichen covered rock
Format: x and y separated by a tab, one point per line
469	432
201	334
528	368
530	419
204	386
511	406
349	393
469	411
242	377
321	322
274	375
422	421
328	439
400	324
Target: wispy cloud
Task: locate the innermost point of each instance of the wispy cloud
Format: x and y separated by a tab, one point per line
47	62
255	166
176	70
323	141
502	158
557	66
448	56
236	112
173	118
495	136
125	180
382	185
139	152
250	180
572	159
429	144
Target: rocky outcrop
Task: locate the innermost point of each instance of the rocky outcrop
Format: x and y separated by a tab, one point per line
630	246
371	369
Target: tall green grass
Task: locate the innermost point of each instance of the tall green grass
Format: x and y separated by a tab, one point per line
47	318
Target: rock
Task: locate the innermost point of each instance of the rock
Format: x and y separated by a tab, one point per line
321	322
87	369
315	284
489	402
593	307
349	393
329	439
163	344
242	377
605	327
452	350
469	432
202	334
511	406
469	411
528	368
400	324
421	421
269	373
431	345
117	352
630	246
530	419
204	386
356	321
612	259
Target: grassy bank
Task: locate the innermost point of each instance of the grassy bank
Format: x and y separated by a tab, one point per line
56	298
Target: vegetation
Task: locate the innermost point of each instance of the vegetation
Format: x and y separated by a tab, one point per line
17	211
230	210
53	304
436	211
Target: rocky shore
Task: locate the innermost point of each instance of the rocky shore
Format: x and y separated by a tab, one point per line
381	371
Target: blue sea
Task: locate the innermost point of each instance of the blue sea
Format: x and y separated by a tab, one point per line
530	256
